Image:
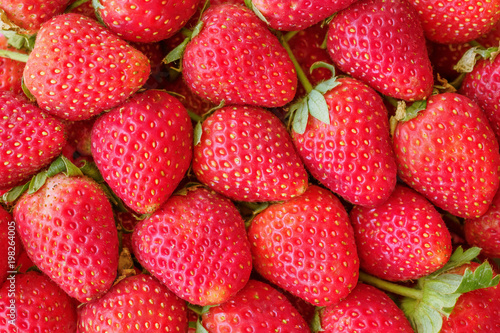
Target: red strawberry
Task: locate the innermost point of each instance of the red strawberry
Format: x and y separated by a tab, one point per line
78	69
143	148
256	308
491	38
403	239
382	43
79	135
11	71
236	59
68	230
136	303
246	154
306	246
31	302
352	155
456	21
29	139
449	153
196	244
365	310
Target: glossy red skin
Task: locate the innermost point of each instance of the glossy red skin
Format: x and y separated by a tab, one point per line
99	73
365	310
29	139
136	303
197	246
352	155
68	230
143	148
247	154
403	239
245	66
306	246
256	308
41	306
381	43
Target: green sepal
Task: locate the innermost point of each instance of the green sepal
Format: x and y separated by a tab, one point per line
198	131
97	6
21	57
300	113
14	193
471	56
199	327
27	92
257	12
20	41
317	106
178	51
315	324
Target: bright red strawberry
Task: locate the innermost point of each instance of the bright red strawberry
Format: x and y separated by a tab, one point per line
29	139
78	69
448	152
196	244
31	302
256	308
365	310
306	246
143	148
352	155
382	43
236	59
138	303
68	230
456	21
11	71
246	154
403	239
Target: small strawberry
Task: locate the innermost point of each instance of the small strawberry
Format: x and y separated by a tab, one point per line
11	71
448	152
136	303
143	148
306	246
246	154
78	69
196	244
382	43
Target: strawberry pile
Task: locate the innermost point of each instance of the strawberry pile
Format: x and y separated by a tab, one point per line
249	166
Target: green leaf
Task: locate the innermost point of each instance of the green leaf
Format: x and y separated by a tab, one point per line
70	169
422	317
482	277
37	182
199	327
457	259
21	57
74	5
198	131
177	52
301	115
91	170
315	324
14	193
317	106
196	30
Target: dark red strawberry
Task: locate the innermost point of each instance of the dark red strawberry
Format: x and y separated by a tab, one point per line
445	56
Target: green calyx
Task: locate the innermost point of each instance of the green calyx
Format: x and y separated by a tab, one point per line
471	56
404	113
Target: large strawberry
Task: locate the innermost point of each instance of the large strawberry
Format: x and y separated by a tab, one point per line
143	148
196	244
247	154
78	68
381	42
236	59
306	246
449	153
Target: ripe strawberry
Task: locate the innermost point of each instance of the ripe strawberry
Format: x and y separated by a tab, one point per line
135	304
455	21
256	308
246	154
31	302
143	148
491	38
196	244
352	155
235	58
382	43
306	246
29	139
78	69
449	153
68	230
365	310
11	71
403	239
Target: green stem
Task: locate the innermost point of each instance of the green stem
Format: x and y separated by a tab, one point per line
289	35
300	72
389	286
14	55
475	43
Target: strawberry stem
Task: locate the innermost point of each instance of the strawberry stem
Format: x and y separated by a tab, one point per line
390	286
300	72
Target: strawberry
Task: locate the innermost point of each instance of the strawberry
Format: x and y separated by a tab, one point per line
403	239
31	302
306	246
491	38
11	71
67	228
143	148
351	155
136	303
29	139
256	308
455	21
155	53
246	154
78	69
382	43
196	244
365	309
236	59
448	152
79	135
